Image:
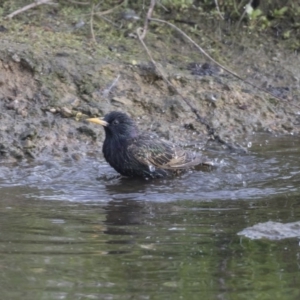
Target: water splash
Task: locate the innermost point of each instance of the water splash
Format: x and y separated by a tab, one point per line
151	168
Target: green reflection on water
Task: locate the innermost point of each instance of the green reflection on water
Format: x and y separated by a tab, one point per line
142	250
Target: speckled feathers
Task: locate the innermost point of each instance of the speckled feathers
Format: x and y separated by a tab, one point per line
136	154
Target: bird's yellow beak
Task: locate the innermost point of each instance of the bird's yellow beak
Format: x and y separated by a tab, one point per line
98	121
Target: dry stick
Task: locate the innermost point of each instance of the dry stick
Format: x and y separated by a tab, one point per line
218	9
148	17
100	14
162	6
211	130
92	23
29	6
108	21
222	67
244	13
106	92
79	3
106	12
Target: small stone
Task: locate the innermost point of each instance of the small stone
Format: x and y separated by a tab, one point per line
79	24
27	144
211	98
15	105
94	111
16	154
121	100
75	102
78	116
23	113
76	156
16	58
28	134
129	15
66	112
287	126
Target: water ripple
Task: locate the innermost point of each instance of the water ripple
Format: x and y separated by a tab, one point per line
266	171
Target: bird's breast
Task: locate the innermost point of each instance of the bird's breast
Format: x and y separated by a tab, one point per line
116	154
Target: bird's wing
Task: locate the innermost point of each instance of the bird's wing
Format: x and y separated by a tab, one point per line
162	154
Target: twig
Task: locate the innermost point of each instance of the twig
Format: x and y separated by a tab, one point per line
165	78
243	14
211	131
100	14
79	3
29	6
149	15
218	9
163	7
92	23
218	64
106	12
106	92
108	21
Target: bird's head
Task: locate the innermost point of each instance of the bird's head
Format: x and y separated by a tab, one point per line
117	125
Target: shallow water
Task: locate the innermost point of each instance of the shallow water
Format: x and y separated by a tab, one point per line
78	231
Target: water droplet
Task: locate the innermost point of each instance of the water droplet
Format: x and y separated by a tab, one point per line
151	168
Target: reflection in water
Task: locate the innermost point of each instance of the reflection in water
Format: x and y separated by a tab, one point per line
124	212
106	237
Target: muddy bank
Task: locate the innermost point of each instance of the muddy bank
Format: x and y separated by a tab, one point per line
50	82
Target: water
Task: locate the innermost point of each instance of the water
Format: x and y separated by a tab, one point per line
78	231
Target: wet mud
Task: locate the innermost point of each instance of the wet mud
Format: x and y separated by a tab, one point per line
51	81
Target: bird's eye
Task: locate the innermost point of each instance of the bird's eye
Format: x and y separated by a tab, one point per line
115	122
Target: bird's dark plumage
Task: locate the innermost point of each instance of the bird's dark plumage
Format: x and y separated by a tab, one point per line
136	154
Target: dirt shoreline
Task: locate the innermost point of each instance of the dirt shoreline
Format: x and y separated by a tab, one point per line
48	89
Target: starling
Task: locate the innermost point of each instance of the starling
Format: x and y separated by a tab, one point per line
136	154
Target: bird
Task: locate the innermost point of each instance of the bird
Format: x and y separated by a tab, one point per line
141	154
